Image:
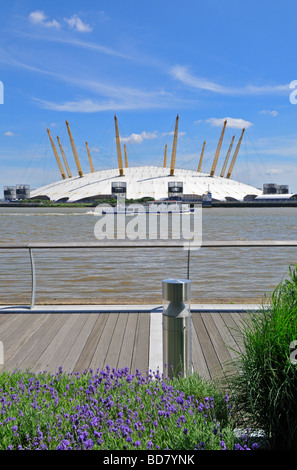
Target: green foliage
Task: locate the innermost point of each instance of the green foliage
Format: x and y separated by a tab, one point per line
264	391
109	200
112	410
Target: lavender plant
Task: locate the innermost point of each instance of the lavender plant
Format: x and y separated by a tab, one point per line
111	410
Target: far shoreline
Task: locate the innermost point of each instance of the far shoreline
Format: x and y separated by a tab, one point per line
214	205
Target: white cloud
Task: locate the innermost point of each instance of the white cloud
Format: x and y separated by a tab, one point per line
93	106
180	134
274	171
138	138
94	149
182	74
269	112
112	97
9	134
281	146
231	122
112	103
78	25
81	106
89	45
39	17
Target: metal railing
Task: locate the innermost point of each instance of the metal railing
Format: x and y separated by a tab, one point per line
147	244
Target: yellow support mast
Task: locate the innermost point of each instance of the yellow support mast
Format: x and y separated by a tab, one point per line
119	152
57	156
126	158
74	151
235	155
165	157
64	158
201	158
227	158
90	158
173	155
215	161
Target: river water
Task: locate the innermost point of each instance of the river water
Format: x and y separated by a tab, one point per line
135	275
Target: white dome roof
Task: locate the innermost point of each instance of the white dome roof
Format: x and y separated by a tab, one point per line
144	181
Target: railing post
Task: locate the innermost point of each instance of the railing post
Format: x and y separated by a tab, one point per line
188	265
177	327
33	278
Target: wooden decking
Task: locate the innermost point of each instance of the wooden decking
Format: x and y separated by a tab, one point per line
79	340
216	340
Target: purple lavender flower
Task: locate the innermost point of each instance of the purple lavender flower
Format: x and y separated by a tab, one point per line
92	409
223	445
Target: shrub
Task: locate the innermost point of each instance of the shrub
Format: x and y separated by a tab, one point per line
111	410
264	391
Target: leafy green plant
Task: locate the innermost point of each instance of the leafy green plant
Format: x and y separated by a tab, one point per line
112	410
264	391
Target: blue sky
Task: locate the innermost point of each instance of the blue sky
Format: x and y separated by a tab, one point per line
146	62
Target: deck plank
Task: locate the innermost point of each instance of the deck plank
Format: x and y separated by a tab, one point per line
77	347
19	333
37	328
218	339
227	336
140	359
45	361
13	323
213	364
90	345
100	354
68	336
126	353
233	329
79	341
116	340
198	358
238	319
39	341
212	359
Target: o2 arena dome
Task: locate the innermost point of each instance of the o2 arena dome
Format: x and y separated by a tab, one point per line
145	181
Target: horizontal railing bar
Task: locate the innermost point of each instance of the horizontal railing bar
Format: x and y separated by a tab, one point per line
249	243
153	244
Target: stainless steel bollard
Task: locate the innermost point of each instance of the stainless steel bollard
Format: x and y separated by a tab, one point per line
177	327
